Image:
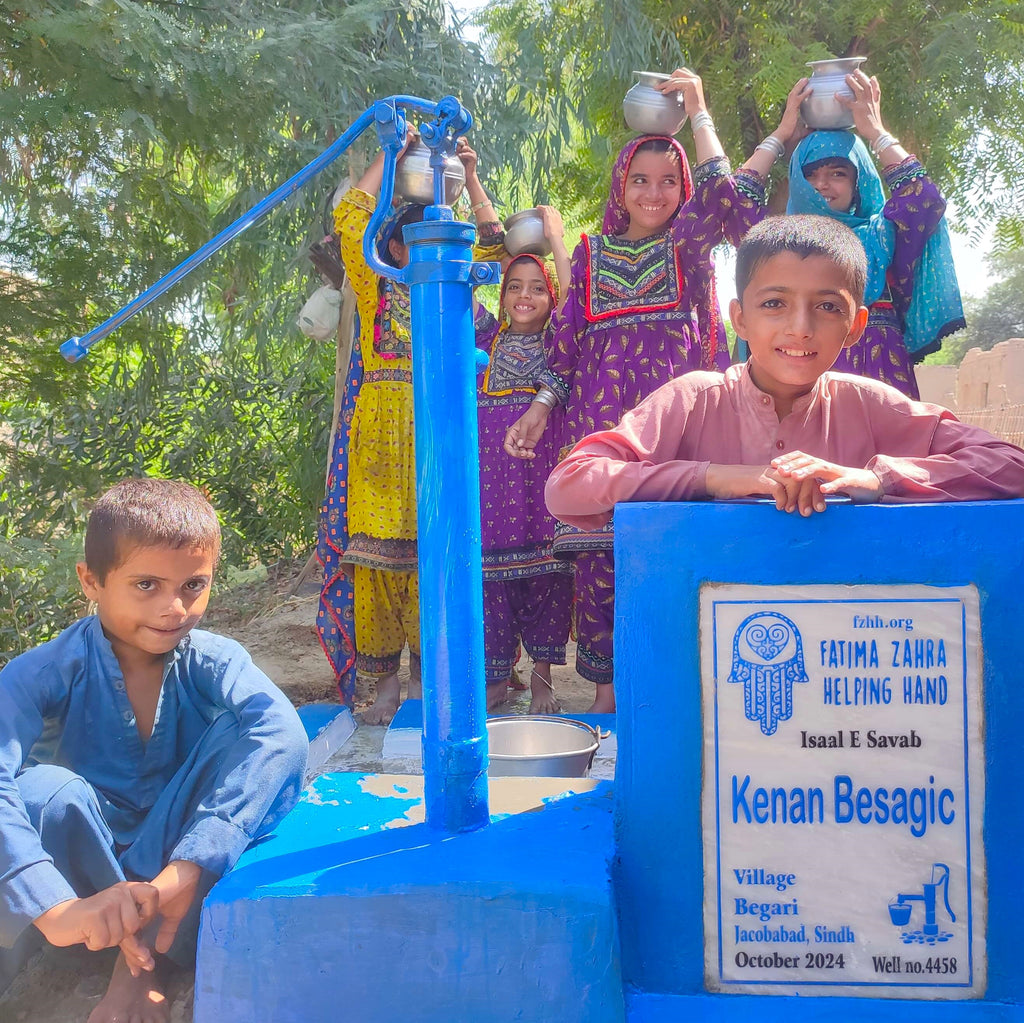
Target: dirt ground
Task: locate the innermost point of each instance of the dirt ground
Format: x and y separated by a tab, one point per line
278	629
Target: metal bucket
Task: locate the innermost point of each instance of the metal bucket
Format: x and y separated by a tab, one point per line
540	747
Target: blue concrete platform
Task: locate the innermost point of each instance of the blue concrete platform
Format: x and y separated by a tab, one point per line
352	909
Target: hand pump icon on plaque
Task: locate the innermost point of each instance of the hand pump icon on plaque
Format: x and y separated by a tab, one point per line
901	909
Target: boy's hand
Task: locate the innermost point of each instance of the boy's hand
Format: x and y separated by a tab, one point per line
176	886
467	155
103	920
860	485
790	494
522	436
553	226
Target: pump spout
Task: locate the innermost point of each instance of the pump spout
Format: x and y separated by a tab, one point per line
943	879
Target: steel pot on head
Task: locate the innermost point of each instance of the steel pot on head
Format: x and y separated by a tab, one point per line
414	177
524	234
821	110
650	112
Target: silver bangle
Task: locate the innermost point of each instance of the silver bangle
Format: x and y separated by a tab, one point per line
883	142
771	144
702	119
546	397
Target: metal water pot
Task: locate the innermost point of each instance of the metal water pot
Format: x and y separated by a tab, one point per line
828	79
650	112
414	177
524	233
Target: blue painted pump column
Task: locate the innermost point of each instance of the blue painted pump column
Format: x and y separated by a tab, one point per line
441	277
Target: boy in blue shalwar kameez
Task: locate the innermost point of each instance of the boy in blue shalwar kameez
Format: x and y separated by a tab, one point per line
138	758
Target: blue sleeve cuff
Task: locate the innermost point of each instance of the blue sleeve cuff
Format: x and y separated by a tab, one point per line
28	894
213	844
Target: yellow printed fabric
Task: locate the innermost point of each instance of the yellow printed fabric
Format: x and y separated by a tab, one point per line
387	616
382	464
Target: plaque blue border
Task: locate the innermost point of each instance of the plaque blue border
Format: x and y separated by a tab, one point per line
862	602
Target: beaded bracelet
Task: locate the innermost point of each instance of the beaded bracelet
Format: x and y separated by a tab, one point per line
479	205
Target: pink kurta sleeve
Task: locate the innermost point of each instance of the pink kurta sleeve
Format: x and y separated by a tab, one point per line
638	460
962	463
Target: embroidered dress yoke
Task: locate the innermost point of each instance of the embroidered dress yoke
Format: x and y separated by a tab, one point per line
515	526
382	463
638	312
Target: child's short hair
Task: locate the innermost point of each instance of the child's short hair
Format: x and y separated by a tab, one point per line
805	235
148	513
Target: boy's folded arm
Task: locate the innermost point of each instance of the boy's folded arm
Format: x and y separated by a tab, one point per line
261	769
602	471
638	460
964	463
29	886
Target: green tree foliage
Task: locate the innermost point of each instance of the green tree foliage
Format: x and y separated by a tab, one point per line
134	131
952	74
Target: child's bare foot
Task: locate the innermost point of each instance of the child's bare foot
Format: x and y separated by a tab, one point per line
497	692
542	693
604	700
389	695
138	999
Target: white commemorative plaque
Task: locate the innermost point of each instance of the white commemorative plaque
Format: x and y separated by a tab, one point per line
843	791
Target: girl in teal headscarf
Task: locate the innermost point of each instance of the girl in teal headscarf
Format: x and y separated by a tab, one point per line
912	289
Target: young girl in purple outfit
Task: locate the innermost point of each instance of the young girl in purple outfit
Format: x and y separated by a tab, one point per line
527	592
641	310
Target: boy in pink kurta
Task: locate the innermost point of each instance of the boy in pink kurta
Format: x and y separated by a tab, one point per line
781	425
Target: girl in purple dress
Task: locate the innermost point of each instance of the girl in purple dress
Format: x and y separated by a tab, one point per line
912	292
641	310
527	592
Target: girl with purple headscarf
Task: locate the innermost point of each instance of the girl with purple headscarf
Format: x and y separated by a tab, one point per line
527	592
641	310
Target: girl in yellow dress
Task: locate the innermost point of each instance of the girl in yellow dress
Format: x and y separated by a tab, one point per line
380	490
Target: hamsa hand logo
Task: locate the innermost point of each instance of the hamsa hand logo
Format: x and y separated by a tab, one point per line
767	657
